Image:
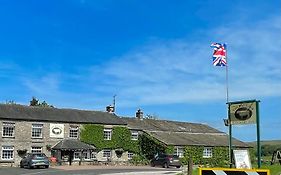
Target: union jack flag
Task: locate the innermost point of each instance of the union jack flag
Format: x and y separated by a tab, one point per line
219	55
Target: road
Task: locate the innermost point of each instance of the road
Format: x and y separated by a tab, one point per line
91	170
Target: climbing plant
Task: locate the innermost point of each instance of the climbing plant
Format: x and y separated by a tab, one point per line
219	156
147	146
150	146
121	138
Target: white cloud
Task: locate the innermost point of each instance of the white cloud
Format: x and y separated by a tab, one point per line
42	85
176	71
180	71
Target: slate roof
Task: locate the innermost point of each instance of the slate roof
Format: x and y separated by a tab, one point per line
193	139
72	144
182	133
166	125
32	113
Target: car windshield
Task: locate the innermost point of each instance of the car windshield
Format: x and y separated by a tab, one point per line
39	156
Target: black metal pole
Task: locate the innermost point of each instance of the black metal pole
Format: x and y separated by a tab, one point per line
258	135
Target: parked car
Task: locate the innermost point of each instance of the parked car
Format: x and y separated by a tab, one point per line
33	160
166	161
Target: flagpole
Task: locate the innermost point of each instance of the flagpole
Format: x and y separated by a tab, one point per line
218	55
229	119
228	113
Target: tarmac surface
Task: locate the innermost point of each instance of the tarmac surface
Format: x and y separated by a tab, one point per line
136	170
91	170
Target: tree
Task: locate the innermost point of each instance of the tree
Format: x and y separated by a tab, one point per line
35	102
10	102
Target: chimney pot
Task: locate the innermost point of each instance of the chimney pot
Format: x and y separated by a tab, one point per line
139	114
110	109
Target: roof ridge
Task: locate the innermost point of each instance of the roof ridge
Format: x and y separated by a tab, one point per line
209	133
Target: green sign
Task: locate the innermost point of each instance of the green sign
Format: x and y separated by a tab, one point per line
244	112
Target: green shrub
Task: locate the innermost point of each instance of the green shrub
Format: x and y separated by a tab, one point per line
139	160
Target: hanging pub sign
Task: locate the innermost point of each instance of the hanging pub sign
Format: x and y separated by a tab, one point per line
243	112
56	130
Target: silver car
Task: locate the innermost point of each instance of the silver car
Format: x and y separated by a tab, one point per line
33	160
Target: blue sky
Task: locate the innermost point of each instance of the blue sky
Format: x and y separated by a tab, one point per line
154	55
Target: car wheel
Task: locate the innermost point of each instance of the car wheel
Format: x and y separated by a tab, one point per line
21	165
46	166
178	166
166	165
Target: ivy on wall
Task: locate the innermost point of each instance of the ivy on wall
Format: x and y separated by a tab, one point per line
193	152
170	149
219	156
121	138
147	146
150	146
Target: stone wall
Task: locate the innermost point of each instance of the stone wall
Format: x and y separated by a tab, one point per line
22	139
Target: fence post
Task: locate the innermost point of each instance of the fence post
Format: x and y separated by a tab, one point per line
190	164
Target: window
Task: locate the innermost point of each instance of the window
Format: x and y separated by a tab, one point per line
76	156
107	134
130	155
179	151
8	129
7	153
73	131
106	153
135	135
93	155
36	149
37	130
87	155
207	152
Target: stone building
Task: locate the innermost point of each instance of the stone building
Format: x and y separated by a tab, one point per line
56	132
181	134
26	129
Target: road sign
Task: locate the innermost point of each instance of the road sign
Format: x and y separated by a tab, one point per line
232	171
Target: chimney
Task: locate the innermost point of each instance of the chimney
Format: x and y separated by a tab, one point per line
139	114
110	109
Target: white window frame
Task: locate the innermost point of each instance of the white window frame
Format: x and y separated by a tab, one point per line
130	155
93	155
207	152
34	130
106	153
76	155
8	129
107	133
87	155
36	149
73	132
179	151
9	155
134	135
